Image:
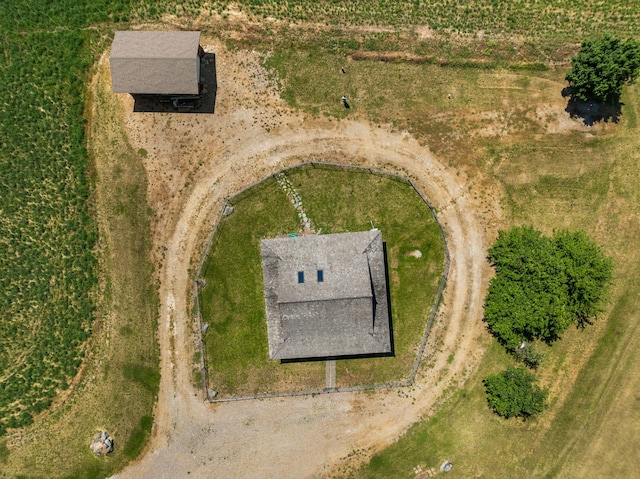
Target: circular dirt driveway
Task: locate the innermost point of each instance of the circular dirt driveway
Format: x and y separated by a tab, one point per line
194	162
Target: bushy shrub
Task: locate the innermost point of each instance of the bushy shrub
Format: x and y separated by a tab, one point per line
515	393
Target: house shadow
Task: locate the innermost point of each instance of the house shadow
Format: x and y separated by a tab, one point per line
203	103
329	358
591	112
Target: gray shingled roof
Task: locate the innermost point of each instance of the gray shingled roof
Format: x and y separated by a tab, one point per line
345	314
155	62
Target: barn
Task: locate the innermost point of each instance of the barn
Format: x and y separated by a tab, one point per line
157	63
326	296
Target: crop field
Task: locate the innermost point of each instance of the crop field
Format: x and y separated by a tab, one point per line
553	18
76	286
120	380
337	201
48	269
52	285
47	234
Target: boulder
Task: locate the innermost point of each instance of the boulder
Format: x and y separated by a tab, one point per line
102	444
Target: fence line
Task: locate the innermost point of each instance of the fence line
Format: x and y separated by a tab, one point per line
204	371
311	392
443	283
425	337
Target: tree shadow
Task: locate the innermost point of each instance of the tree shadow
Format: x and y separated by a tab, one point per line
205	102
591	112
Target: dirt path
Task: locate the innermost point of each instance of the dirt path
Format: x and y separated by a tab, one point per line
193	162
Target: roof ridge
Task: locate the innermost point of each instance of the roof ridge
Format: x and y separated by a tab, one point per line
372	239
264	246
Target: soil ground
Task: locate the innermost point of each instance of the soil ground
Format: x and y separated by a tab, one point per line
193	162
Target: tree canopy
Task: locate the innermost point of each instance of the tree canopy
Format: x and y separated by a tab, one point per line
515	393
543	285
602	67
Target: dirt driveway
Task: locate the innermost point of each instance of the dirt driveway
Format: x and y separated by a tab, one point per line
193	162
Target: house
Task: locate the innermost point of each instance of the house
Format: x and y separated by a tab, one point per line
156	63
326	296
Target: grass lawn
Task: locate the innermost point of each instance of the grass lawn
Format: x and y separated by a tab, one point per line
233	304
336	201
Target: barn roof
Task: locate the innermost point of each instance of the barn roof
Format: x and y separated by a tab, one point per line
326	295
147	62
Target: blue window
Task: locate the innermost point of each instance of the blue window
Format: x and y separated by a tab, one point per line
300	276
320	276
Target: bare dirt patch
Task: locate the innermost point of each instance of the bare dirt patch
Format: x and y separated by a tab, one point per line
193	162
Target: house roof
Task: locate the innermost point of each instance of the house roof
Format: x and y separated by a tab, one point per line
147	62
326	295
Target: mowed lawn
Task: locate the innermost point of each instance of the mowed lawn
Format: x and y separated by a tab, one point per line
336	201
233	304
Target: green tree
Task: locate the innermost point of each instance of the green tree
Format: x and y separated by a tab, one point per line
515	393
602	67
587	271
543	285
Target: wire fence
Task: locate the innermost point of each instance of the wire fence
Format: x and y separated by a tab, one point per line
254	188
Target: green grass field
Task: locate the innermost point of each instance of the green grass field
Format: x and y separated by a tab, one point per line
337	201
233	305
47	233
583	180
